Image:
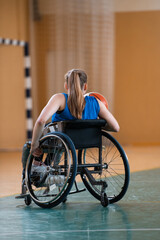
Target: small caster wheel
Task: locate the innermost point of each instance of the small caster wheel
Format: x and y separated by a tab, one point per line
27	200
104	199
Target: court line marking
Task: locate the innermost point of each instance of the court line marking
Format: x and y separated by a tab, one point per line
83	231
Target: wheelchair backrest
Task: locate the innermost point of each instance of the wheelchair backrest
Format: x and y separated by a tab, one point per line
84	133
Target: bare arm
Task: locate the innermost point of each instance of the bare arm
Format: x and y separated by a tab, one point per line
55	103
112	123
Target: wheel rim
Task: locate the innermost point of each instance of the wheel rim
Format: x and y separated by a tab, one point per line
115	169
57	175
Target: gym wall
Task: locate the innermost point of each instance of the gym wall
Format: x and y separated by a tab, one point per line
137	75
119	51
73	34
57	45
14	15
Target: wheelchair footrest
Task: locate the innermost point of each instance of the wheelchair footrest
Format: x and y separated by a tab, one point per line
22	196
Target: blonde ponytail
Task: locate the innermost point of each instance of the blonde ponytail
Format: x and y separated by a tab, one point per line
76	102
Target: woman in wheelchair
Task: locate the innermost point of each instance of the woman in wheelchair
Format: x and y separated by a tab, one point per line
71	106
53	162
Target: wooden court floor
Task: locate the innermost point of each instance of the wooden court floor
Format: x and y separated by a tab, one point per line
136	216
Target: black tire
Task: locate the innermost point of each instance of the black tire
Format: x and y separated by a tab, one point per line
115	169
51	187
104	199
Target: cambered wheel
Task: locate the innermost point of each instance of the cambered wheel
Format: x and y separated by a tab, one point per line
113	169
50	185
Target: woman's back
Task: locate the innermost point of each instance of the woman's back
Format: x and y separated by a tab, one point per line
90	111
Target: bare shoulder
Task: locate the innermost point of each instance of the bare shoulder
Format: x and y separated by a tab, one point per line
57	97
60	99
101	104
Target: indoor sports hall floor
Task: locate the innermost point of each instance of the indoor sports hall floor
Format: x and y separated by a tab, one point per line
136	216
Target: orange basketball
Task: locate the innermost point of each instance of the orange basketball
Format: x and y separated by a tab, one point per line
99	97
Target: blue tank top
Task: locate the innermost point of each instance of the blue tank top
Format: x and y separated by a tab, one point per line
90	111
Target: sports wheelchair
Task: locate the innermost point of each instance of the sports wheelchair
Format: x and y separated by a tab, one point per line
76	147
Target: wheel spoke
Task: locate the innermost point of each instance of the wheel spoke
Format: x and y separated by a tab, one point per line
50	182
115	169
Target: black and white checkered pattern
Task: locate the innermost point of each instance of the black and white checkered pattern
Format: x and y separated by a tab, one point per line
28	81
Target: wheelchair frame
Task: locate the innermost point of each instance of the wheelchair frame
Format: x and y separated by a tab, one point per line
77	147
